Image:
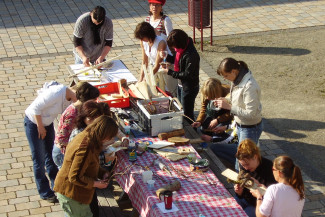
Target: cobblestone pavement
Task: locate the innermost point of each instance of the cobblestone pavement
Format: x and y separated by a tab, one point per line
35	46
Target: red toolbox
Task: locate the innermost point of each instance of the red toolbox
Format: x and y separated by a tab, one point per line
113	88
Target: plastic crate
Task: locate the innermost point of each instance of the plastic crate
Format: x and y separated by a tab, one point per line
154	124
111	88
134	99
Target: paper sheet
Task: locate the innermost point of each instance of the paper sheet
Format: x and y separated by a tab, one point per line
161	206
113	74
160	144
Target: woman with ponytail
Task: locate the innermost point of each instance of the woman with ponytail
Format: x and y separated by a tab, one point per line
244	103
287	197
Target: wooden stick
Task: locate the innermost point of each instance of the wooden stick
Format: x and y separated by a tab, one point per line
94	66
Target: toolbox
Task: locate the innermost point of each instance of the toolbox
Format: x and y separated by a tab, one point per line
113	88
160	122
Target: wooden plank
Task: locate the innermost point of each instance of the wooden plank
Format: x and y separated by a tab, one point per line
108	205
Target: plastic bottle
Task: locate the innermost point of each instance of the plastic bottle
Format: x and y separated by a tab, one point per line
132	150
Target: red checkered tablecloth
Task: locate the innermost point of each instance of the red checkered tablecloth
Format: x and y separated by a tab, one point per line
202	193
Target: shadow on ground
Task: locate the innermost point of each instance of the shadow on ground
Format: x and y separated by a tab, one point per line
268	50
308	165
290	127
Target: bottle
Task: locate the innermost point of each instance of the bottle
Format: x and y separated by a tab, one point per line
132	150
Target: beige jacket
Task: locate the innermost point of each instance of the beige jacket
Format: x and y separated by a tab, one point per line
245	99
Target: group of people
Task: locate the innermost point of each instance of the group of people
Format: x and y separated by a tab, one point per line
85	129
71	155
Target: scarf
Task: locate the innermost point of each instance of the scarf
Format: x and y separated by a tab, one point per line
179	53
96	29
241	74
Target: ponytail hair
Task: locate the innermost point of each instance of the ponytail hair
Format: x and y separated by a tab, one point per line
228	64
291	173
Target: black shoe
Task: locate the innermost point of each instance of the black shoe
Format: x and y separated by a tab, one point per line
53	199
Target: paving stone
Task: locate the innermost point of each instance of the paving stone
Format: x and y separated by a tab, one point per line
28	206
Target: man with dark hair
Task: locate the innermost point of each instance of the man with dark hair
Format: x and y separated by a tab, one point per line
93	37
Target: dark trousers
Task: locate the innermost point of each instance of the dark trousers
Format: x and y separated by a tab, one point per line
41	150
94	206
187	98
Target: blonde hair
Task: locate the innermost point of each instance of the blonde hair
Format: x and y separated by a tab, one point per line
212	89
247	149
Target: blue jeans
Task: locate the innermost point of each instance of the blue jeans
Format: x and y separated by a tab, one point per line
225	151
253	133
248	208
42	157
188	100
57	156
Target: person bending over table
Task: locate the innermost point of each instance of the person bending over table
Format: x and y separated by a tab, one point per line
151	44
186	69
260	168
52	100
287	197
77	180
84	92
89	111
158	20
213	121
93	37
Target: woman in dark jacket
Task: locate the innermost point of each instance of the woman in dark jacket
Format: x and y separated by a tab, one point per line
186	69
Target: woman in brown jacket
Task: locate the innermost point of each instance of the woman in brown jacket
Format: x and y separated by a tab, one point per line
80	173
213	121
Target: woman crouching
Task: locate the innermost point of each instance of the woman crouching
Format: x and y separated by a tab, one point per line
77	179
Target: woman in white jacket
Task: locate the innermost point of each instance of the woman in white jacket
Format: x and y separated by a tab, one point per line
245	97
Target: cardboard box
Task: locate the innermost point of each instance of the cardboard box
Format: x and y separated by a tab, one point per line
163	122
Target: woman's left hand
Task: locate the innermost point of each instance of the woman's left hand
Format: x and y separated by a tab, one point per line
256	193
223	103
213	124
165	71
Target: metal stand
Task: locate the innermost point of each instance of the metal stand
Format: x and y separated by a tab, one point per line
201	27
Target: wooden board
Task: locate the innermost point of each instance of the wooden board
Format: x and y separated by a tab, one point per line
179	140
232	175
143	88
171	156
136	92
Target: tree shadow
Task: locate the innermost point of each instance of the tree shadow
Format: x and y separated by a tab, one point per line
268	50
309	162
289	127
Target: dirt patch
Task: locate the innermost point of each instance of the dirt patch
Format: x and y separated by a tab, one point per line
290	69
